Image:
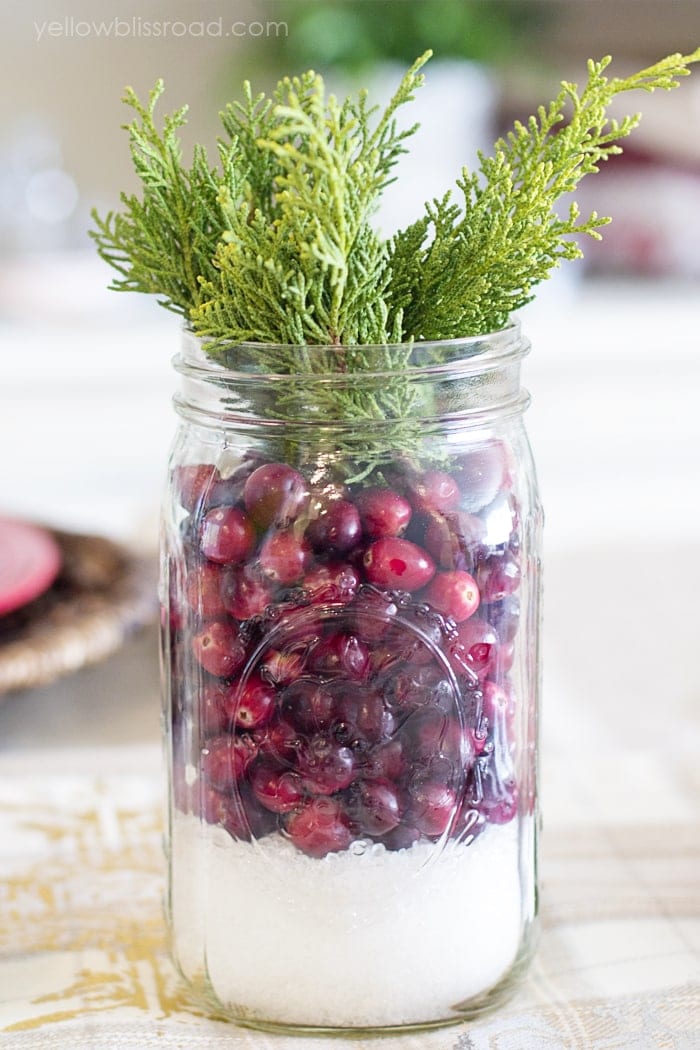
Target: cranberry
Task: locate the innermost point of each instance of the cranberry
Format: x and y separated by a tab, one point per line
219	648
227	535
225	760
245	593
432	806
435	491
387	760
193	483
372	614
326	765
401	837
374	806
218	808
498	793
282	667
383	512
308	705
255	704
278	790
454	594
453	539
203	591
360	716
340	654
279	740
398	564
469	824
504	615
273	493
434	734
498	705
213	714
284	557
483	471
475	647
504	660
334	582
321	826
336	528
498	577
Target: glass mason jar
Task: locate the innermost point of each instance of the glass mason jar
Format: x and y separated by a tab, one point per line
350	588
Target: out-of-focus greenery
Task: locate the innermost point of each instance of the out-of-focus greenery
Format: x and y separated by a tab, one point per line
353	34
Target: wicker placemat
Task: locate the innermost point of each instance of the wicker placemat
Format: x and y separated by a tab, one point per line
103	594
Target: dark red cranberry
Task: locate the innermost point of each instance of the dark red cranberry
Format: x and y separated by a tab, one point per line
418	686
475	647
434	491
434	734
326	765
255	704
504	660
374	807
504	616
387	761
279	740
227	535
219	648
397	564
203	591
336	528
499	705
213	713
245	593
218	808
193	484
308	705
498	577
340	654
284	557
334	582
432	806
469	824
454	594
274	493
499	793
383	512
453	539
403	836
483	471
360	716
225	760
321	826
277	789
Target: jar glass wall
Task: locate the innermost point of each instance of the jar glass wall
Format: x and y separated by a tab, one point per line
351	667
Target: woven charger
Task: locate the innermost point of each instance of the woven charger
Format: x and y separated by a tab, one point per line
103	594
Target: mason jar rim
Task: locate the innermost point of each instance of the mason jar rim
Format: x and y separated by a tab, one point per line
465	355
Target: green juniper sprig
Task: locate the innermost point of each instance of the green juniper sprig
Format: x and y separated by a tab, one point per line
273	260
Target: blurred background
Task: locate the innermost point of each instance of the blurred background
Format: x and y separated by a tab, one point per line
85	378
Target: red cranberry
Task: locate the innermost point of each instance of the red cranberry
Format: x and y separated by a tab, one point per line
255	704
452	539
335	582
282	667
398	564
498	577
435	491
326	765
227	535
219	648
387	761
483	471
245	593
504	616
274	493
383	512
278	790
454	594
401	837
375	807
194	482
340	654
336	528
419	686
504	660
434	734
308	705
498	705
497	792
360	716
203	592
432	807
225	760
321	826
213	714
279	740
475	647
218	808
284	557
372	614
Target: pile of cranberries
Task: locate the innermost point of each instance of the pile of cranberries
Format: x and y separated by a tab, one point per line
339	654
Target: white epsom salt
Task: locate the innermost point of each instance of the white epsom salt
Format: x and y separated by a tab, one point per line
367	937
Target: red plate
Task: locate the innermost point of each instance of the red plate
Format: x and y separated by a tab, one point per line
30	560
